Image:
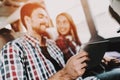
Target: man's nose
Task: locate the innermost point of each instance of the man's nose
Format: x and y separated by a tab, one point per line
44	20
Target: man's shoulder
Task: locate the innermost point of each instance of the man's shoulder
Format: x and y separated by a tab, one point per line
11	45
18	40
50	41
14	42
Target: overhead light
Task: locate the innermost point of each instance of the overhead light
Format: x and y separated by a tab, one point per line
2	2
15	3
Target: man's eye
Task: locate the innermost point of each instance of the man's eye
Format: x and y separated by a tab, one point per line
41	16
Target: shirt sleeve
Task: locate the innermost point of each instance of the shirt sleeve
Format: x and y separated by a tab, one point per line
11	66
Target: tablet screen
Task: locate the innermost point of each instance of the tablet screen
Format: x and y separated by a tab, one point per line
96	51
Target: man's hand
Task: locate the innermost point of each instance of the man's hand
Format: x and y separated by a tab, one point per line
75	66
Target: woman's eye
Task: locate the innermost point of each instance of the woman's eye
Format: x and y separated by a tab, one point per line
65	22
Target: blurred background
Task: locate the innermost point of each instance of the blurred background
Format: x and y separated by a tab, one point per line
90	16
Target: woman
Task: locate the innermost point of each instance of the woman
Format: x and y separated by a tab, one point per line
68	39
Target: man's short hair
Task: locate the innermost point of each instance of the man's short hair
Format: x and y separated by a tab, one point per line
27	10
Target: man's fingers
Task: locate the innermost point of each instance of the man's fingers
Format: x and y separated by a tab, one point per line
83	59
81	54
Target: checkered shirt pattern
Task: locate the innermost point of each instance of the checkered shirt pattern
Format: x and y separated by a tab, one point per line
24	55
26	51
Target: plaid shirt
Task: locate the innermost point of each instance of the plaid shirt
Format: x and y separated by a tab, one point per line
22	59
24	55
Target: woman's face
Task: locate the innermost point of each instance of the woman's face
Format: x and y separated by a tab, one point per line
63	25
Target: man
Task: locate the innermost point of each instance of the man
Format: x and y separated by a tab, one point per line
34	57
17	29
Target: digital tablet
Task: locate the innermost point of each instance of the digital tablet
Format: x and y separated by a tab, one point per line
96	51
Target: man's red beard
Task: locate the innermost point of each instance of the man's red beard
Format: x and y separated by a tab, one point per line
45	34
42	33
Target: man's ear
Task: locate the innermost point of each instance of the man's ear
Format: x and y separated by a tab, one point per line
27	22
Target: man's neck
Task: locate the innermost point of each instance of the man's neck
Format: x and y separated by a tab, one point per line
38	37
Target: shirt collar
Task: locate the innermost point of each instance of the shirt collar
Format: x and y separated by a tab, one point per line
31	39
34	41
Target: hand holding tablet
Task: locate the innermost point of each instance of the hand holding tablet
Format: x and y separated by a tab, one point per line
96	51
